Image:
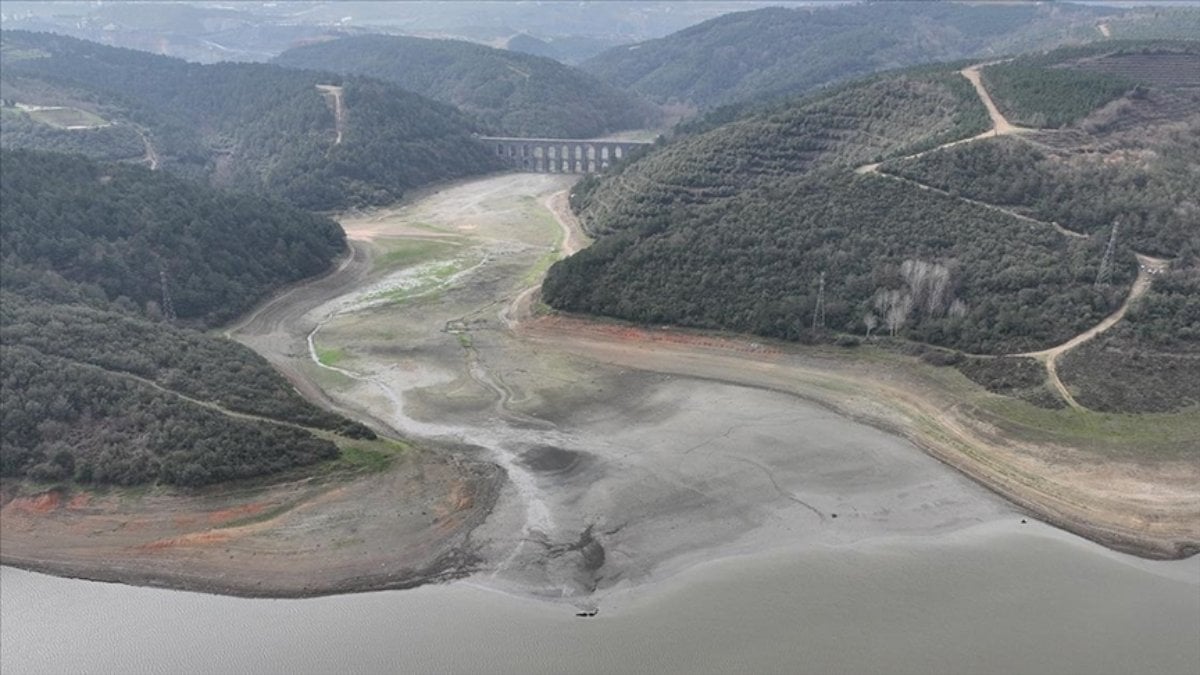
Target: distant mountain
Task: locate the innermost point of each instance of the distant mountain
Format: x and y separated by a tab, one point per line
319	141
99	385
781	221
774	52
511	92
570	49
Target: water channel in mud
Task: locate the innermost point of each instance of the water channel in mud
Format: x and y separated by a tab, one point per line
714	526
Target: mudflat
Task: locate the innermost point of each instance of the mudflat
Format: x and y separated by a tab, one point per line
566	457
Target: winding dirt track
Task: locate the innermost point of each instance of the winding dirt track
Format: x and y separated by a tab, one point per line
1147	266
151	156
1150	512
1000	124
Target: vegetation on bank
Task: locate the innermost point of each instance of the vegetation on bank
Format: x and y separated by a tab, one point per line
1061	87
840	128
64	420
1151	361
98	385
1085	193
753	221
113	142
774	52
1049	97
853	254
135	237
510	92
254	127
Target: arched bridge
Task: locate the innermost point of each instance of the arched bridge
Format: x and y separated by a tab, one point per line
559	155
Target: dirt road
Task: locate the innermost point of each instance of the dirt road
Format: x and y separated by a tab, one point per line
1000	124
334	94
151	155
1147	268
570	457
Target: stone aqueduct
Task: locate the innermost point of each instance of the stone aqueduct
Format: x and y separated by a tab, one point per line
559	155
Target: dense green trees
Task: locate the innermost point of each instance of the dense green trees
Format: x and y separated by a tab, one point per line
742	220
120	229
925	266
1084	192
842	127
511	92
62	420
96	387
1061	87
258	127
775	52
1049	97
17	130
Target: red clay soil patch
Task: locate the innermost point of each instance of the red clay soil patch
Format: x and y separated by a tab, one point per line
184	522
37	504
80	501
458	501
635	334
194	539
225	515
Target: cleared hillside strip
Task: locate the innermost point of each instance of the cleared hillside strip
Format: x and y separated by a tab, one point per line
250	127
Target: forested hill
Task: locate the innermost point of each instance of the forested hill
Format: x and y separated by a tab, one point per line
773	52
513	93
252	127
779	222
99	385
114	230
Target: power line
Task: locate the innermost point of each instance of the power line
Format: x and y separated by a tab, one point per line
819	311
1105	272
168	309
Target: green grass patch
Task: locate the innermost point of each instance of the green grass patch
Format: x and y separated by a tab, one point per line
365	459
428	279
67	117
367	456
399	253
1148	436
534	274
330	356
22	54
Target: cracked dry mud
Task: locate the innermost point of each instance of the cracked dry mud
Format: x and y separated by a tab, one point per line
614	476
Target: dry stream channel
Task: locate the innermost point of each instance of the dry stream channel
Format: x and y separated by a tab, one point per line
714	526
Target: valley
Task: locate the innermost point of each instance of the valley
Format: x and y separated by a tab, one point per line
864	318
430	330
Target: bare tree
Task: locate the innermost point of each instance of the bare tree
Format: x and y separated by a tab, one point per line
870	321
896	306
929	284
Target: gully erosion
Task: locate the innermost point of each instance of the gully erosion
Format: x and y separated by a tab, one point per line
566	457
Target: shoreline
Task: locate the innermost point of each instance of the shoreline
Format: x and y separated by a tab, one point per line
880	412
666	577
898	402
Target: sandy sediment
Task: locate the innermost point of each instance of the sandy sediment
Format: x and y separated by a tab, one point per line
406	527
567	456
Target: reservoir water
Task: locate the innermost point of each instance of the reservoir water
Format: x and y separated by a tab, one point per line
999	598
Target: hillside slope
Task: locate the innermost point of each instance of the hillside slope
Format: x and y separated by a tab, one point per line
97	386
774	52
251	127
513	93
782	223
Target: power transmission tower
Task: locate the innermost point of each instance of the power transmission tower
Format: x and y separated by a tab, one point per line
819	311
168	309
1105	272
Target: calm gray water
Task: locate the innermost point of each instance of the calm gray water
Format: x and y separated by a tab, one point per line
997	598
